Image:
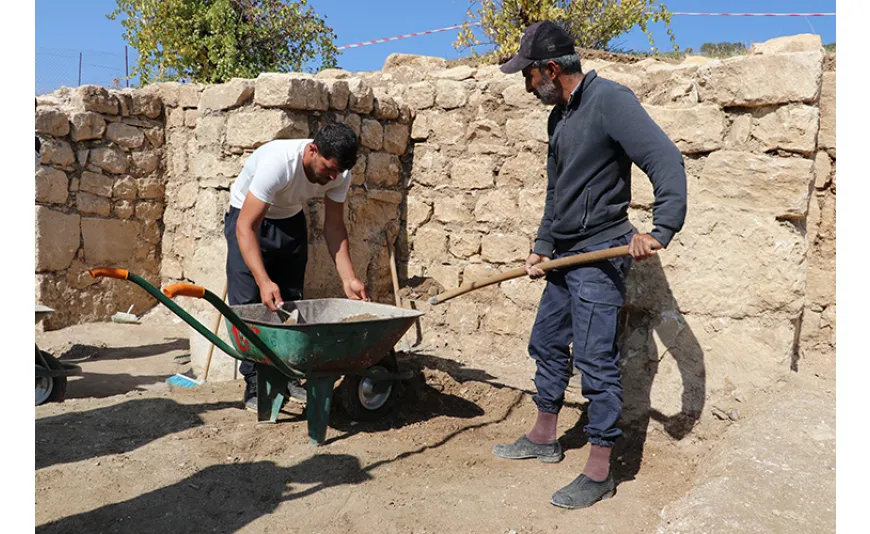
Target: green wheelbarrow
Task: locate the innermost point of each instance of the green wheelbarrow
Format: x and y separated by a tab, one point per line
329	339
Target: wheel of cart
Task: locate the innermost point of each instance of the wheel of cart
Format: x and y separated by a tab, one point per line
51	373
327	339
364	399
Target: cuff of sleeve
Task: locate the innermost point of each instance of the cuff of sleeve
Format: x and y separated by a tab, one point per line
543	248
662	235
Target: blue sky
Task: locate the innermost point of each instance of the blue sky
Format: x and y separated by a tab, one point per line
64	29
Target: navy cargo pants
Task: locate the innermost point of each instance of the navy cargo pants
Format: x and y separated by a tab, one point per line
582	305
284	246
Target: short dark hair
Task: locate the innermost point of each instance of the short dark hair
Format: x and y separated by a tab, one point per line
339	142
569	63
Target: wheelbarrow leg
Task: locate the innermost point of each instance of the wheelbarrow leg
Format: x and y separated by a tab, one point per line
271	392
317	406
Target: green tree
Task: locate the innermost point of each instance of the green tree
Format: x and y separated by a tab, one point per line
592	23
212	41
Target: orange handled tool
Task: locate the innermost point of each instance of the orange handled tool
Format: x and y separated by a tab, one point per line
111	272
185	290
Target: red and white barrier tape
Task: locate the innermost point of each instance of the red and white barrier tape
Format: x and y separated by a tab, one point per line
457	26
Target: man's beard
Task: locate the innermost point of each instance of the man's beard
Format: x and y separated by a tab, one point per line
547	92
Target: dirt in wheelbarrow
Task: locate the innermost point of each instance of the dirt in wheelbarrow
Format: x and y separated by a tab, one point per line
128	453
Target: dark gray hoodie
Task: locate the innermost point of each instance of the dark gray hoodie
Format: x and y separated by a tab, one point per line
593	141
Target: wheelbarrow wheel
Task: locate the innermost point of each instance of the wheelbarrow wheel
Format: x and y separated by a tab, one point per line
364	399
49	388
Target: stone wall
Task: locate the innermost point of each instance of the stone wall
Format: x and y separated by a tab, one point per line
743	295
210	133
717	315
99	199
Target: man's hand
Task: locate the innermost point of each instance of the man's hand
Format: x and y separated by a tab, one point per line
643	246
270	295
530	268
356	290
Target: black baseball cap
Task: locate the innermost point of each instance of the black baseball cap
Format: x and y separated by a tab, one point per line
541	40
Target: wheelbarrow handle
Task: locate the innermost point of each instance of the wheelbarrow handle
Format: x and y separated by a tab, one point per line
184	290
120	274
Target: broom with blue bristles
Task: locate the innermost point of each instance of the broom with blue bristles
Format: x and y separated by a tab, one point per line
184	381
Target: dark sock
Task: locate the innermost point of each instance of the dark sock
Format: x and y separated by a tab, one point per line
545	428
598	464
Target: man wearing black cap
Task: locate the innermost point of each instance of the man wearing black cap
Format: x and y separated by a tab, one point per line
596	130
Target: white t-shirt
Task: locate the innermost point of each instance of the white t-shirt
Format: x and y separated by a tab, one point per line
274	174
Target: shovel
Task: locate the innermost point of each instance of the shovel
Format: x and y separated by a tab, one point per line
569	261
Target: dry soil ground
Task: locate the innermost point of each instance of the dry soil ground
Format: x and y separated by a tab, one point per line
127	453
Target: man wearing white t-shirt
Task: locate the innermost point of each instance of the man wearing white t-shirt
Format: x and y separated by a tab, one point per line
266	231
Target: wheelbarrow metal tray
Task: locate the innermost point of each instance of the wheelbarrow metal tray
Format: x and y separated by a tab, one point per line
330	334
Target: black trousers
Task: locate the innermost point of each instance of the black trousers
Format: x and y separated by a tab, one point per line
284	246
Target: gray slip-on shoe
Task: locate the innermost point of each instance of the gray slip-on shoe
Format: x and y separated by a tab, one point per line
525	448
583	492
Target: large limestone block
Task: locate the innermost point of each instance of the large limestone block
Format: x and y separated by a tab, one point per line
463	316
526	169
383	169
109	241
52	186
472	173
339	93
763	184
250	129
464	244
146	102
805	42
455	209
210	130
372	134
761	80
418	212
531	127
93	204
57	152
462	72
420	95
515	95
693	130
226	95
450	94
447	128
57	239
53	122
385	107
95	98
420	63
125	135
791	128
828	113
430	243
531	207
430	166
291	90
750	265
206	165
361	98
501	248
97	184
499	206
109	159
396	138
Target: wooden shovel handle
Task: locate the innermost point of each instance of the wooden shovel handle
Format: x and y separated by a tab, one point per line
185	290
568	261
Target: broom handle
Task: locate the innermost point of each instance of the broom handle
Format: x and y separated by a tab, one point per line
576	259
217	325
